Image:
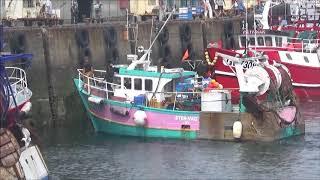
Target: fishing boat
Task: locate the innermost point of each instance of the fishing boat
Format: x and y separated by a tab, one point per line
20	158
296	46
154	101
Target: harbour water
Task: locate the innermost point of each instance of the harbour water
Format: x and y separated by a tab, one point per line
79	153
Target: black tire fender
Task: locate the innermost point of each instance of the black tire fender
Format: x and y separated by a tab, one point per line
110	36
82	38
18	43
164	36
112	56
166	56
185	32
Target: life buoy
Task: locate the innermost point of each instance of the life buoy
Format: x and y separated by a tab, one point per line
82	38
110	36
185	32
18	43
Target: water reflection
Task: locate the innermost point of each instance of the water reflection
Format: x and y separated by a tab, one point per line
86	155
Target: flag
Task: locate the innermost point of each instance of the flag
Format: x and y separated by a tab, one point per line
186	55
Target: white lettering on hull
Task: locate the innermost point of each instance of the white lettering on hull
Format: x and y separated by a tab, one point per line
186	118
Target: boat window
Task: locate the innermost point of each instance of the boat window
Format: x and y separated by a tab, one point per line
243	41
260	41
278	41
268	41
148	84
127	83
252	41
117	80
289	56
306	59
168	87
137	84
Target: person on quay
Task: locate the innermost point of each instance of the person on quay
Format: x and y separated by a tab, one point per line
220	4
48	8
98	10
207	9
74	12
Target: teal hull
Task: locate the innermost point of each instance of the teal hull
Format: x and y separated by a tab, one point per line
103	125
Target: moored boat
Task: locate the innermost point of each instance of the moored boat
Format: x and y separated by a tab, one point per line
20	158
150	101
295	45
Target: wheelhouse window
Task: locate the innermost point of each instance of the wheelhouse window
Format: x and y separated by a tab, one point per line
127	83
117	80
278	41
148	84
252	41
137	84
243	41
289	56
306	59
260	41
268	41
28	3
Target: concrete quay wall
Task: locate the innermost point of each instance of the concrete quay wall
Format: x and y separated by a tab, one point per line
65	54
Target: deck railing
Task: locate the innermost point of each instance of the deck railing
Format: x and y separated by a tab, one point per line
303	45
96	85
18	80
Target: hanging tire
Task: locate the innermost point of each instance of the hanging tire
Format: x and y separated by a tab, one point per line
18	43
185	32
166	56
110	36
82	38
230	43
164	36
228	29
84	52
112	56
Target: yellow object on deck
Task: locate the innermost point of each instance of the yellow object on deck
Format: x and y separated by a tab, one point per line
155	103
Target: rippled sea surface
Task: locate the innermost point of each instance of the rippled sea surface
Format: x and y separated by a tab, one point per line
79	153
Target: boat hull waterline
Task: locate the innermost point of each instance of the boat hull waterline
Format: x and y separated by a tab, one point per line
115	117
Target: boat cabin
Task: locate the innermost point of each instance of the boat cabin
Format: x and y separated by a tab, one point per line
306	41
151	83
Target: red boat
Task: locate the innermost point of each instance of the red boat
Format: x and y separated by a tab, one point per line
301	57
295	45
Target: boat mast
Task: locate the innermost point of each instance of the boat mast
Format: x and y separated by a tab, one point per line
247	27
142	60
255	27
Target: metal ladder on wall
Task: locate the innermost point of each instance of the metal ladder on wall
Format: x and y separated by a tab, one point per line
132	32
